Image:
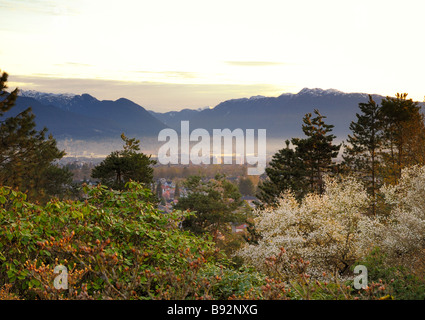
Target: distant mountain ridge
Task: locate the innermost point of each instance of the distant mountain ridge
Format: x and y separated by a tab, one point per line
281	116
83	117
60	99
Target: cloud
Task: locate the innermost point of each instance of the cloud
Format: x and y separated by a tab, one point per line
73	64
172	74
38	6
254	63
157	96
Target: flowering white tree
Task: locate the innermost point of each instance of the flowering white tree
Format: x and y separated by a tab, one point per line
404	232
330	230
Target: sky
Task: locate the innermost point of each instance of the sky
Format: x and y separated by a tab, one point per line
169	55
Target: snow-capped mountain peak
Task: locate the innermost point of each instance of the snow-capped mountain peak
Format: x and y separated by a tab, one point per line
61	100
44	95
256	97
318	91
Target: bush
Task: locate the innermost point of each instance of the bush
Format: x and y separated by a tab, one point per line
403	284
114	244
330	230
235	283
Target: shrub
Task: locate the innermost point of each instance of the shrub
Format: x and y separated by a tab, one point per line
403	284
117	245
403	236
235	283
329	230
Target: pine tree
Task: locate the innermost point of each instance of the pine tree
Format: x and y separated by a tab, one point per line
177	191
246	186
301	169
317	150
27	158
159	190
361	155
8	99
216	203
403	127
122	166
285	171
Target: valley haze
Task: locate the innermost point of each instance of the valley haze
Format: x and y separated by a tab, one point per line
87	127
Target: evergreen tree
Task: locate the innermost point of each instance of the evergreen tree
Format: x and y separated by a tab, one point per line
285	172
414	131
163	202
8	99
403	127
361	155
246	186
177	191
215	203
122	166
159	190
27	158
317	150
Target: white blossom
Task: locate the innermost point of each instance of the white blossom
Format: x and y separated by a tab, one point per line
330	230
404	234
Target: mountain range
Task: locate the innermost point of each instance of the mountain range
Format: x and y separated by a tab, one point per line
85	118
281	116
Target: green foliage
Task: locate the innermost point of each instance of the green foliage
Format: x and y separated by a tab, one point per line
234	283
26	156
403	284
403	135
177	191
285	171
159	190
252	236
9	98
117	240
301	169
317	150
361	155
384	140
215	204
246	186
122	166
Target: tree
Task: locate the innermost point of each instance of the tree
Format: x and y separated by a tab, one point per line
414	131
246	186
403	236
317	150
141	256
215	204
361	155
301	169
403	130
177	191
159	190
27	158
122	166
329	230
285	171
9	98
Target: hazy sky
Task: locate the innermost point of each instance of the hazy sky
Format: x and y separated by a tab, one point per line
169	54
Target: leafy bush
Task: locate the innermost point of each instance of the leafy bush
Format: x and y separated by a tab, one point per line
330	229
403	284
235	283
116	244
